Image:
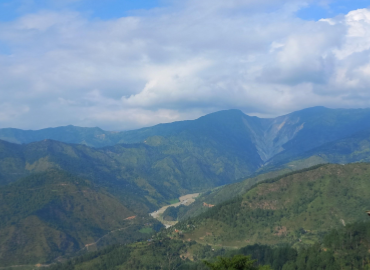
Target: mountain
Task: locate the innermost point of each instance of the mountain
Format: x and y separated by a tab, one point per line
220	137
46	212
160	163
248	142
294	209
53	213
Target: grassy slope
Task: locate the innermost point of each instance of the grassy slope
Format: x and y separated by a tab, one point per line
54	213
299	206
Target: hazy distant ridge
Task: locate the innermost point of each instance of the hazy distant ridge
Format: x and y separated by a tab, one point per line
259	139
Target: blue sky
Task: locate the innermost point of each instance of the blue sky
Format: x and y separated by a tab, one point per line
87	63
110	9
330	9
107	9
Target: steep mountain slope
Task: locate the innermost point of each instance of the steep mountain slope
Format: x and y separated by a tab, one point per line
354	148
225	132
50	214
294	209
318	126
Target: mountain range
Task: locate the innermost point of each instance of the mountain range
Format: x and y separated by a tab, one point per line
223	155
257	141
166	161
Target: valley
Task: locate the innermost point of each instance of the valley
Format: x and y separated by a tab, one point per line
184	135
240	181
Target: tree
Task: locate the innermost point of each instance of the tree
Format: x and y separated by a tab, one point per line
238	262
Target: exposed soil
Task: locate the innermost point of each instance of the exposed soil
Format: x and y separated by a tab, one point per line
184	200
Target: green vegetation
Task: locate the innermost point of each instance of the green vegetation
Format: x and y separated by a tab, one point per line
173	201
343	248
170	214
143	176
170	254
174	213
158	254
54	213
238	262
169	160
147	230
225	193
296	209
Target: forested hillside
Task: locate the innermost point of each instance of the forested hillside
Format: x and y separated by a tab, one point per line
295	209
51	214
141	175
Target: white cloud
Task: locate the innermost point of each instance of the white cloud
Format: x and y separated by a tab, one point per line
180	62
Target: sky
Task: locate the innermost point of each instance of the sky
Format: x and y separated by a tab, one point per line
121	64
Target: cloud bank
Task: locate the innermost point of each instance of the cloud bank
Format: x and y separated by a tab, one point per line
180	62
